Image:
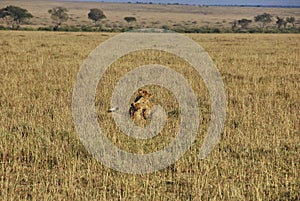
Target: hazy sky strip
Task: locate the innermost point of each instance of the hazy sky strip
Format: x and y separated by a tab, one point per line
216	2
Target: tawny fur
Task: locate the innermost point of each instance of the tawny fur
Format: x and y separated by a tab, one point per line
140	108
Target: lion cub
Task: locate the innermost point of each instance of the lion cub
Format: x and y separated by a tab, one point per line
140	108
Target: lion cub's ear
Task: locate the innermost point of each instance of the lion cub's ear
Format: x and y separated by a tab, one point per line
144	93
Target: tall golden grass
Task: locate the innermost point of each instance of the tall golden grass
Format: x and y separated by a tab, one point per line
42	158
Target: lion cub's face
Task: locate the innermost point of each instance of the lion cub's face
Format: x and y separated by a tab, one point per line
140	108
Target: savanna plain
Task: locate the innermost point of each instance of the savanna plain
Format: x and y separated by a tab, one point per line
42	158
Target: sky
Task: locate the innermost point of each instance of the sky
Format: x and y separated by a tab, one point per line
217	2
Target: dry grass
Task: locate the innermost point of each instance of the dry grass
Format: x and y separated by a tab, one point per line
146	15
41	157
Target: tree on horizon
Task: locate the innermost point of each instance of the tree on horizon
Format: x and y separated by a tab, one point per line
59	15
96	15
264	19
14	15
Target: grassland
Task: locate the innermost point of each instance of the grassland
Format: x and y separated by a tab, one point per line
42	158
172	16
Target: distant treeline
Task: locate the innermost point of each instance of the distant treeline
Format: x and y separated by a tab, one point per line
220	5
14	17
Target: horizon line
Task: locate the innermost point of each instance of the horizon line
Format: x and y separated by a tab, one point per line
189	4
